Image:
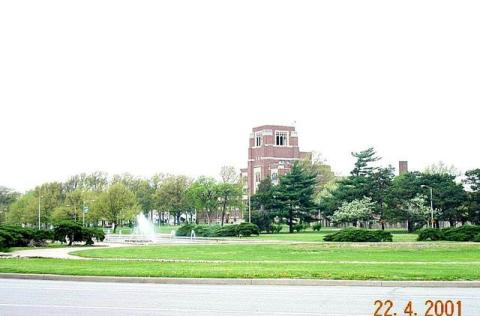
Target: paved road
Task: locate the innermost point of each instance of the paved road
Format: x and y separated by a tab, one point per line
33	297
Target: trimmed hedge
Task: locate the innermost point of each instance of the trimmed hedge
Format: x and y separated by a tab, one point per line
16	236
72	231
359	235
462	233
244	229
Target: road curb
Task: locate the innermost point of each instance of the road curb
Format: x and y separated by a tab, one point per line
212	281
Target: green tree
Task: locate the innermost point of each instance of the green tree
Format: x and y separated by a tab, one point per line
364	158
116	205
473	203
24	211
7	197
204	194
355	212
172	196
295	195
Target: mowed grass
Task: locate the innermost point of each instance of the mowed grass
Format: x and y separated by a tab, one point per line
318	252
318	236
243	270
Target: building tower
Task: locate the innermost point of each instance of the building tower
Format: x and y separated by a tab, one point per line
271	153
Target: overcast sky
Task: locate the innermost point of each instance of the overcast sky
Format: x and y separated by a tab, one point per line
176	86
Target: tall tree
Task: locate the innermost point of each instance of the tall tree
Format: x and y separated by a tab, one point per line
295	195
364	158
473	203
172	196
7	197
116	205
204	194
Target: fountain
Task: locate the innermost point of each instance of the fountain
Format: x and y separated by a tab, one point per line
145	228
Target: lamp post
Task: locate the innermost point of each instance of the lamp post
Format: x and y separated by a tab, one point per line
39	198
431	200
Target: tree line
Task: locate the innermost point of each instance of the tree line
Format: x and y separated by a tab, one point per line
370	194
96	198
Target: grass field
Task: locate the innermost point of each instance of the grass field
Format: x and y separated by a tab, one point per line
318	236
386	261
311	253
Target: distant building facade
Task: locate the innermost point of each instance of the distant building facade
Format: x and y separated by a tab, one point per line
272	151
402	167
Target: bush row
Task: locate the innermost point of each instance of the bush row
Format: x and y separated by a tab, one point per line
16	236
241	230
67	231
462	233
359	235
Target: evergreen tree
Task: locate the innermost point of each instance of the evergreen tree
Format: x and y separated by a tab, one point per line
295	195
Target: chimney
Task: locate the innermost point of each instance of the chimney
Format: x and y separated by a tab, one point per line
402	167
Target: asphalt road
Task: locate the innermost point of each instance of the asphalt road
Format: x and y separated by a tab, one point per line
33	297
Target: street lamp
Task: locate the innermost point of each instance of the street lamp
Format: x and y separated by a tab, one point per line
39	198
431	199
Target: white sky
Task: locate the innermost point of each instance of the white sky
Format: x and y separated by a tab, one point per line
176	86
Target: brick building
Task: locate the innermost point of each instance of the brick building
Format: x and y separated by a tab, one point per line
272	151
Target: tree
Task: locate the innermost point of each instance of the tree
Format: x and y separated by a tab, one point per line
24	210
172	197
51	196
448	196
229	174
7	197
295	195
379	183
473	202
116	205
441	168
230	196
322	171
364	158
204	194
264	204
355	211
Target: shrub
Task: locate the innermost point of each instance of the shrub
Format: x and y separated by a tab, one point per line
276	229
248	229
72	231
359	235
477	238
430	234
185	230
299	227
89	233
462	233
226	231
16	236
317	227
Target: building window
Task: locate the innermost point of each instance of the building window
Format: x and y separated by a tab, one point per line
258	139
281	138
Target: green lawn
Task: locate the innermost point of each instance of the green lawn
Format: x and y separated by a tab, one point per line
244	270
382	261
318	236
331	252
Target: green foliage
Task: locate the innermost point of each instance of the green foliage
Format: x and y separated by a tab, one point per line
69	231
244	229
462	233
355	211
477	238
359	235
430	234
317	227
185	230
248	229
227	231
16	236
295	196
276	229
299	227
